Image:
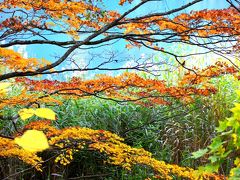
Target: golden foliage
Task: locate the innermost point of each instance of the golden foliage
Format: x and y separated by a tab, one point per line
132	87
16	62
32	141
204	75
74	14
70	16
26	98
9	149
40	112
218	22
26	113
73	139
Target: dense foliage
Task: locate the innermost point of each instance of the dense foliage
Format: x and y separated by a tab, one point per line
157	117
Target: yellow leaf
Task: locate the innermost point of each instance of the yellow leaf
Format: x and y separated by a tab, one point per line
3	87
33	141
238	92
26	113
45	113
2	91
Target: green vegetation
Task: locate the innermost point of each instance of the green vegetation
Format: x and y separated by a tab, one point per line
172	133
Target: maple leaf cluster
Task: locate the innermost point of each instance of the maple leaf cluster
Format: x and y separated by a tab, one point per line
132	87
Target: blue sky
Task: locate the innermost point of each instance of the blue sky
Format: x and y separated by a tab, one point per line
50	52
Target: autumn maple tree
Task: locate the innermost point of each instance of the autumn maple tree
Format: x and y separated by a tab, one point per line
72	27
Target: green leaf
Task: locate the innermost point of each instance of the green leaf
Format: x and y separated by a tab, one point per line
214	159
235	173
216	144
224	155
222	126
231	121
236	110
199	153
211	168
